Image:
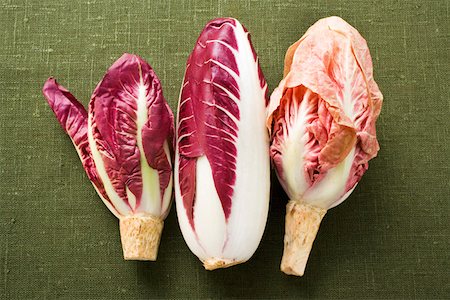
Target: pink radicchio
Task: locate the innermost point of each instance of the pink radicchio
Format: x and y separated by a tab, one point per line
323	114
125	145
222	163
322	117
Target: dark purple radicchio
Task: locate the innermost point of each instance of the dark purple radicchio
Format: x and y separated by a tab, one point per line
222	163
125	142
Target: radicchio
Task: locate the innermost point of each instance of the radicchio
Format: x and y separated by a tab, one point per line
322	117
125	141
222	162
323	113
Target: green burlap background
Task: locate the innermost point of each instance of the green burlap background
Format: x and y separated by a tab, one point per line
390	239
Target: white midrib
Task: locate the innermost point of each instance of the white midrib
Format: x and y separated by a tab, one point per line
119	204
150	199
293	154
151	195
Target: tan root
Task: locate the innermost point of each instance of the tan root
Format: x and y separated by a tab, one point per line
302	224
140	236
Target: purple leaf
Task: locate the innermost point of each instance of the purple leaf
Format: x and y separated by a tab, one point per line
131	122
207	114
72	117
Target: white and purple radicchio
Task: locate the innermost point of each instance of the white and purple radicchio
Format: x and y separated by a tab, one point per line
322	117
222	163
125	145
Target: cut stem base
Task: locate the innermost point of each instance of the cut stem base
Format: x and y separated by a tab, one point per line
302	224
140	236
218	263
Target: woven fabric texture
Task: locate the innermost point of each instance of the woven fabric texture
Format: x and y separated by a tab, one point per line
390	239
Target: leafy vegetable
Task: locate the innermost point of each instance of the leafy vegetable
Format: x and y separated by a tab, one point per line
124	144
322	120
222	164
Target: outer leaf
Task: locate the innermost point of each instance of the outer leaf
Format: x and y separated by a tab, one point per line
208	100
131	131
73	119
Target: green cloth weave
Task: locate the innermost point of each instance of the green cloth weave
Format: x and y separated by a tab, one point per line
390	239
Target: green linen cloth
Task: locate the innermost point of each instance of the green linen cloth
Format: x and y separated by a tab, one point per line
390	239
